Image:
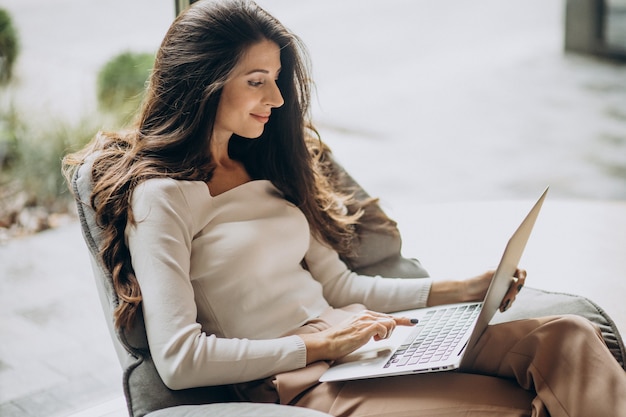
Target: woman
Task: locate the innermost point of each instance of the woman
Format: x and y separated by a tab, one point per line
223	222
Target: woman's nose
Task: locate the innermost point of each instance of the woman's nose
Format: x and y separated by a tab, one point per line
274	97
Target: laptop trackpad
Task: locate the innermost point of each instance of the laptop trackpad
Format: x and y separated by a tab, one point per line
368	355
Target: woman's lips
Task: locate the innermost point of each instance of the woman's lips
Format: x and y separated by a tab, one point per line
261	118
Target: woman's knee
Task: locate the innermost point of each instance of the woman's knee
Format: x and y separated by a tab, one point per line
575	325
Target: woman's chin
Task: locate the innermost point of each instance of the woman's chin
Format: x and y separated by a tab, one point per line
250	135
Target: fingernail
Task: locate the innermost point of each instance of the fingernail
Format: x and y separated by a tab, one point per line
414	321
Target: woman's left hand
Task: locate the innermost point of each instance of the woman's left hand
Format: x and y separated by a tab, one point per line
517	283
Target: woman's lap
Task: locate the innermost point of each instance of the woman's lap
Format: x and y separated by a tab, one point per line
509	360
439	394
519	368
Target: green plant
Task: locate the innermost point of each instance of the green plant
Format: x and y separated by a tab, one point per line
121	82
10	126
35	164
40	159
30	157
9	47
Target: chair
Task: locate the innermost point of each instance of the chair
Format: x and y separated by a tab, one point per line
378	253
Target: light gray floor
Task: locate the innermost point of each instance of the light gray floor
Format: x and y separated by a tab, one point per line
440	108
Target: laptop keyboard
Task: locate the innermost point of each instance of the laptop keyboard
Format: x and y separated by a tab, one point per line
436	336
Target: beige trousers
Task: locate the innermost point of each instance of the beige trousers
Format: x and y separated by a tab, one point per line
551	366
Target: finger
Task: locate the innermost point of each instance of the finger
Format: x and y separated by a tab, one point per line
395	321
381	331
517	283
373	324
390	322
520	274
400	321
508	297
390	325
406	321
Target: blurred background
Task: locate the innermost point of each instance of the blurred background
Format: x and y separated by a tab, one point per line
423	102
443	101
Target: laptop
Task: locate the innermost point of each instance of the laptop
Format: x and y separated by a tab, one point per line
444	334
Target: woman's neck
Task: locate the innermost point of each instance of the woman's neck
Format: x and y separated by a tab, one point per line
228	173
219	150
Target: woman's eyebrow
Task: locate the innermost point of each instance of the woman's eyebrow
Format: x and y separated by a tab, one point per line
263	71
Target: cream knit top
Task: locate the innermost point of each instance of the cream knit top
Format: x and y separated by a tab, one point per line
222	281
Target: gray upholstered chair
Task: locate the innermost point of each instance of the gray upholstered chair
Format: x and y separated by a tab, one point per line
378	253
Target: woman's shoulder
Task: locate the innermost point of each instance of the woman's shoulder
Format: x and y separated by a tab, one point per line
168	185
169	191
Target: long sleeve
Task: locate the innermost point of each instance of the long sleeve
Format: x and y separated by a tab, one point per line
184	355
343	287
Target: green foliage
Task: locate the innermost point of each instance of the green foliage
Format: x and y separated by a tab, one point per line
121	82
32	158
40	155
39	165
9	47
10	125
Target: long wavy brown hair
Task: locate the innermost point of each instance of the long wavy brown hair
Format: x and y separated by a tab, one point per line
172	132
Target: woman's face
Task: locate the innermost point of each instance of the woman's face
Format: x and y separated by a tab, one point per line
250	94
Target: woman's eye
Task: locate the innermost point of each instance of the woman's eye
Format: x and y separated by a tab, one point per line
255	83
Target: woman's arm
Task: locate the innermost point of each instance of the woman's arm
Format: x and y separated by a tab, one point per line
184	355
474	289
348	336
343	287
459	291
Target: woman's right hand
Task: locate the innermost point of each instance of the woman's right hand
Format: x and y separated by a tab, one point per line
349	335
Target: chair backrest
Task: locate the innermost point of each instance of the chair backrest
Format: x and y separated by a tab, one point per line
379	252
143	388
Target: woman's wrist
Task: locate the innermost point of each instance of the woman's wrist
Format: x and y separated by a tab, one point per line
447	292
459	291
315	347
